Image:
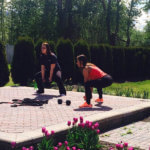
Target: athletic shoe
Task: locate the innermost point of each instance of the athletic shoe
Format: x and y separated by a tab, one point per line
99	100
85	105
40	91
62	94
84	97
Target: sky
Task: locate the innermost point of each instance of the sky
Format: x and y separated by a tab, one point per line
140	21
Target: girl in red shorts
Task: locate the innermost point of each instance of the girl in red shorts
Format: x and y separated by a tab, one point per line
93	77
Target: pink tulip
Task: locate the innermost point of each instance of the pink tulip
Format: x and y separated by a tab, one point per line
43	130
73	148
125	144
23	148
59	144
75	120
46	132
13	144
96	125
31	148
117	145
81	119
79	125
87	123
90	124
66	143
69	123
93	127
82	125
52	132
121	146
98	131
67	148
55	148
48	135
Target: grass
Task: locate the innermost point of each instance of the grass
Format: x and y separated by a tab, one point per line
140	89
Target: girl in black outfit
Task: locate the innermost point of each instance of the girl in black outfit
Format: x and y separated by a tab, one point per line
50	70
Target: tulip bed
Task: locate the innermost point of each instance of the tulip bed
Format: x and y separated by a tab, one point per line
82	135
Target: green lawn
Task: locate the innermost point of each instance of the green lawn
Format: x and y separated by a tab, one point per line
139	89
136	86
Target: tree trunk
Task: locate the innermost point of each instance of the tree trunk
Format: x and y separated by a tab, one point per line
2	21
68	19
108	21
129	24
117	22
60	25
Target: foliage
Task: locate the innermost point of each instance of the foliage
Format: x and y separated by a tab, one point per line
4	72
23	61
64	50
71	19
118	63
84	135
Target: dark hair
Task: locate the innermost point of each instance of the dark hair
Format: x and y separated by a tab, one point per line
82	58
48	50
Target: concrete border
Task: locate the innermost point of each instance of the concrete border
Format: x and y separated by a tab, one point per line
107	121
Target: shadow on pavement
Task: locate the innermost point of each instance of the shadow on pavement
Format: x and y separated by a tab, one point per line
101	108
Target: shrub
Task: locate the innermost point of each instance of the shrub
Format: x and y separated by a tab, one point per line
81	47
64	51
102	57
84	135
52	46
130	63
4	72
109	60
23	61
118	63
38	52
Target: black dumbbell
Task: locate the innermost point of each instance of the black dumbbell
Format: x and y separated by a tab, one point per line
68	102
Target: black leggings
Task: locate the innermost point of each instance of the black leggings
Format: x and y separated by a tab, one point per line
99	84
57	79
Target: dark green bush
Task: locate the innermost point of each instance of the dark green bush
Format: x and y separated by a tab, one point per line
147	62
23	64
38	53
64	51
118	63
109	60
52	46
4	72
130	63
81	47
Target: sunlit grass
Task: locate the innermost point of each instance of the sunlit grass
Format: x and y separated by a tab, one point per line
136	87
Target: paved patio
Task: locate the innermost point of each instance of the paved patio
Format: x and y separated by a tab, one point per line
25	122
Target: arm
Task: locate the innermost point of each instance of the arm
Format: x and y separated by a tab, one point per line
51	72
43	72
85	74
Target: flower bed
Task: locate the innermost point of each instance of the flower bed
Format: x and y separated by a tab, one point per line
82	135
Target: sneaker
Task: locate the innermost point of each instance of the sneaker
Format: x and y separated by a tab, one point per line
84	97
40	91
99	100
85	105
62	94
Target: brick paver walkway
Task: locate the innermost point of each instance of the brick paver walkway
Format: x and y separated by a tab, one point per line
29	118
136	134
